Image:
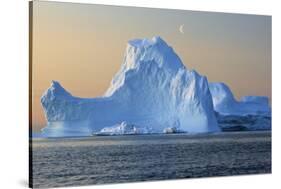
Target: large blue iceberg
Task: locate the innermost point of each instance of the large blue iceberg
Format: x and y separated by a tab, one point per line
153	90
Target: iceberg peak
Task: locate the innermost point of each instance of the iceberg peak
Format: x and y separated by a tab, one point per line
58	89
146	55
148	51
144	43
53	93
56	85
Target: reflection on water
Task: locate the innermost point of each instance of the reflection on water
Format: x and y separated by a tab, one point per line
115	159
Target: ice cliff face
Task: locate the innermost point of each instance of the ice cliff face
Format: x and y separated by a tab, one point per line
153	89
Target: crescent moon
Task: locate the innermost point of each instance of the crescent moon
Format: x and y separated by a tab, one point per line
181	29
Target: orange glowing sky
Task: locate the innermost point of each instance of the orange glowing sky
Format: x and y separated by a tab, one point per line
82	46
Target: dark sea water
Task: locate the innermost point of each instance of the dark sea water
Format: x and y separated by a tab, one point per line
118	159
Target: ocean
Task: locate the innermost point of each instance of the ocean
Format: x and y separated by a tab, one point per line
117	159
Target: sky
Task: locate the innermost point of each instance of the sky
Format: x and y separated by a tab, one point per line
82	46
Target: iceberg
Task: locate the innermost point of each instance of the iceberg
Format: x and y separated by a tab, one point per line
172	130
250	113
152	89
261	100
124	129
225	103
